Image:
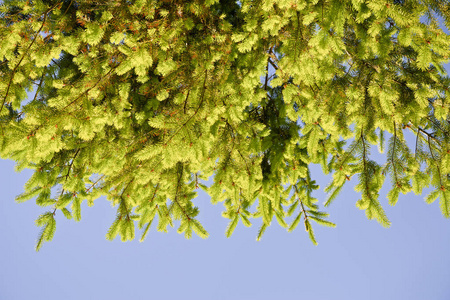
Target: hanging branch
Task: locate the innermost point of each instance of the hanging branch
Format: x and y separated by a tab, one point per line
392	155
180	175
437	165
23	56
266	81
246	165
185	101
154	194
196	111
88	189
347	155
305	216
95	84
71	163
20	61
366	179
417	141
67	175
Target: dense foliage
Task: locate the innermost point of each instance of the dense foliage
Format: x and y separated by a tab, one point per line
142	101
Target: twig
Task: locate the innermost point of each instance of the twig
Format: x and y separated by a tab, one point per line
21	59
87	91
196	111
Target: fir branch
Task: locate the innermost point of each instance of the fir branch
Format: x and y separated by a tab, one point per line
347	154
178	187
246	165
185	101
196	111
128	184
273	64
296	35
366	179
305	216
23	56
67	176
437	125
92	185
417	142
392	155
154	194
335	74
71	163
430	136
266	80
67	9
87	91
437	164
40	83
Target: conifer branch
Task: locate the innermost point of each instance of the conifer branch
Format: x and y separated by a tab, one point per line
21	59
246	165
296	36
87	91
196	111
71	163
366	180
305	216
92	185
273	64
429	136
67	176
266	81
438	125
154	194
67	9
392	155
348	154
40	84
196	181
128	184
178	187
335	78
123	203
303	209
417	141
60	195
185	101
437	163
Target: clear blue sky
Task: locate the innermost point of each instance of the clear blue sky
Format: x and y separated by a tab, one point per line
358	259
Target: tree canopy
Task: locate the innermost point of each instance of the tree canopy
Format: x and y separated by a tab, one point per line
144	101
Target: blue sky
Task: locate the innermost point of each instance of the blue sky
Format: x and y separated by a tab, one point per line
359	259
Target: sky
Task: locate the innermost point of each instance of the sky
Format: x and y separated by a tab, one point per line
359	259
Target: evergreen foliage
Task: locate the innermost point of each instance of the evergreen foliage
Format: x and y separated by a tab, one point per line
141	101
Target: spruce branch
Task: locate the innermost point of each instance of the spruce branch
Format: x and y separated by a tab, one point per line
246	165
130	140
92	185
23	56
154	193
196	111
305	215
177	190
417	142
365	169
441	186
90	88
71	162
392	155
